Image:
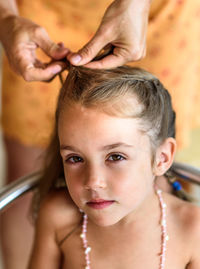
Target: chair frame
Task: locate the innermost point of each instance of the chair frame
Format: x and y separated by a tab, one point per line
16	189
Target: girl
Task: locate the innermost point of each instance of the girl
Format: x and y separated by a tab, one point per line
114	135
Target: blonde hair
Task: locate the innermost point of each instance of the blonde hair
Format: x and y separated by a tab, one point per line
123	91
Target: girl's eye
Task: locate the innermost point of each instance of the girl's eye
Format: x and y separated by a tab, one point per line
115	158
74	159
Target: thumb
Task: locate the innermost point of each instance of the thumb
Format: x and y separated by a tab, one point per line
88	52
53	50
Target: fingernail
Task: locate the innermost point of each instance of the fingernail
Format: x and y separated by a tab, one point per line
58	48
61	45
56	69
76	58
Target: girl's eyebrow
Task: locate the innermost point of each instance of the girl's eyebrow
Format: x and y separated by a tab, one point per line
66	147
107	147
116	145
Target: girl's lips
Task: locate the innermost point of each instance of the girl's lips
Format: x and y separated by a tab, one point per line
100	204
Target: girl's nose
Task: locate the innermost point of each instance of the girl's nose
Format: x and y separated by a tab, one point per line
95	180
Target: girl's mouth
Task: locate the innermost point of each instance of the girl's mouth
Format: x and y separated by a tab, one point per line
100	203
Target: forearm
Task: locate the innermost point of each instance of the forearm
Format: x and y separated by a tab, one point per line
139	2
136	2
8	8
142	6
8	12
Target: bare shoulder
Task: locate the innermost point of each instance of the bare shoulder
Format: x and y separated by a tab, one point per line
59	211
192	228
186	219
57	215
185	214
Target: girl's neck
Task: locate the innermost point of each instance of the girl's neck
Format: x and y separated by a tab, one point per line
153	230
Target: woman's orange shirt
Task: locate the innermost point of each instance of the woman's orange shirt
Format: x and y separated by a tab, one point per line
173	54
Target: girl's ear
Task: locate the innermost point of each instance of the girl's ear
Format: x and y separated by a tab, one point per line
164	156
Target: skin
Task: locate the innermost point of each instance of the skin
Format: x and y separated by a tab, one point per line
16	230
95	170
123	25
20	39
96	175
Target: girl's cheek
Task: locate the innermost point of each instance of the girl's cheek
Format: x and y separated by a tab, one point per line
74	179
119	170
72	171
75	191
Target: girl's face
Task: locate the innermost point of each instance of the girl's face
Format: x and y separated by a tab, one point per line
107	163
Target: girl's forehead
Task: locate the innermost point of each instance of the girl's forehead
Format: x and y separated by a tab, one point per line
77	122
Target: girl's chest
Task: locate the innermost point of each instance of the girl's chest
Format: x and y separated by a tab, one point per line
120	254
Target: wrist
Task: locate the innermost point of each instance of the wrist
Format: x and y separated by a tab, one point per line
142	6
7	23
8	10
138	3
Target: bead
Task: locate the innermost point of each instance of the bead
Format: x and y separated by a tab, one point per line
164	235
163	222
176	186
88	249
82	235
87	259
159	192
85	243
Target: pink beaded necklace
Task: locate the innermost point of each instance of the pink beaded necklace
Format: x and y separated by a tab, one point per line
164	236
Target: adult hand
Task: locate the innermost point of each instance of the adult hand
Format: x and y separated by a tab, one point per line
124	26
20	38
